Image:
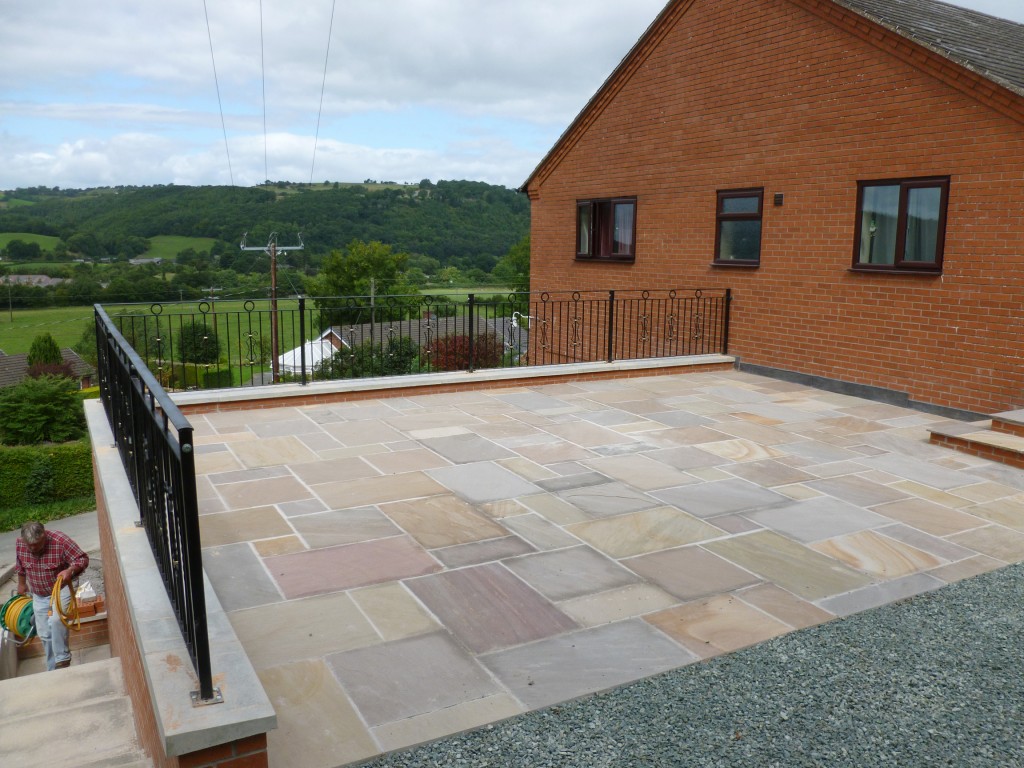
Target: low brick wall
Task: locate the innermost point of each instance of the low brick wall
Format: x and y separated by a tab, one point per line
93	632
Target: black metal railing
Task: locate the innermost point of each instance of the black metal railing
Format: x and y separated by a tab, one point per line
155	442
232	344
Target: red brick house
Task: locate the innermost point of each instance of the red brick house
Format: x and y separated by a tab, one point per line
852	169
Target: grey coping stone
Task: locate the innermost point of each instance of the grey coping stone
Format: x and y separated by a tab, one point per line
720	497
587	661
482	482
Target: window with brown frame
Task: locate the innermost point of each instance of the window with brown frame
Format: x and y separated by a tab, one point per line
738	230
606	229
901	224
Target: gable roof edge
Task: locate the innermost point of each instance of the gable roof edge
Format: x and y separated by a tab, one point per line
633	59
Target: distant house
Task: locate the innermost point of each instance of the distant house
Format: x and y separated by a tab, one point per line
143	261
34	281
14	368
852	170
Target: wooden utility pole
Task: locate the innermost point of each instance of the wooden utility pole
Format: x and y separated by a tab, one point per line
271	249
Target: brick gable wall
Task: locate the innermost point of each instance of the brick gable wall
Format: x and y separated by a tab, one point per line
769	93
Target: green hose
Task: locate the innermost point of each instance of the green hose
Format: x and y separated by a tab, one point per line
16	618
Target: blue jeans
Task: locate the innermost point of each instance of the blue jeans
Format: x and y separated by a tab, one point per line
51	630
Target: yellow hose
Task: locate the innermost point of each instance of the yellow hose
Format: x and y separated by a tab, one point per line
17	618
70	617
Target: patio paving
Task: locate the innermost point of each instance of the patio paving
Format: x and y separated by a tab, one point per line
406	568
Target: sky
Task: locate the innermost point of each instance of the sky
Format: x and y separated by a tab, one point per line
128	92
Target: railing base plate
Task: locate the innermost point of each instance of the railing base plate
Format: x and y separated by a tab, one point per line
198	701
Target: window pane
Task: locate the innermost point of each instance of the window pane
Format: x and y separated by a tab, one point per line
923	208
879	215
740	240
739	204
623	237
583	220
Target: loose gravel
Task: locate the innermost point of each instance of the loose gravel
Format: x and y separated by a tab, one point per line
934	680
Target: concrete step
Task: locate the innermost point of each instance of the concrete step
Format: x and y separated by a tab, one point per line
1010	422
992	440
78	717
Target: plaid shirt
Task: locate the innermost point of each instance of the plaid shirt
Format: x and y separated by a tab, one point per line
40	572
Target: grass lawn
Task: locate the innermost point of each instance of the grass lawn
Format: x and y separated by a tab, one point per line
169	246
46	242
65	324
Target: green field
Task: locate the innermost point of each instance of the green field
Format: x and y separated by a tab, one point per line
46	242
65	324
169	246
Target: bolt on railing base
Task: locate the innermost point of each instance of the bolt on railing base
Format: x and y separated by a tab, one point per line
199	701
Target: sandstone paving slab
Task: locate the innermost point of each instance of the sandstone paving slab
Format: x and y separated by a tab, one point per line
686	457
378	490
412	460
569	573
409	677
640	472
302	507
757	433
320	571
673	418
691	572
936	519
607	499
857	490
587	661
314	718
553	508
993	540
918	470
985	491
442	521
1008	511
482	482
784	606
567	481
333	470
617	604
347	526
467	448
254	493
302	629
539	532
679	437
965	569
645	531
282	545
247	475
951	499
881	556
769	473
355	433
537	402
789	564
480	552
487	607
284	427
588	435
217	462
880	594
720	498
242	525
272	451
819	518
444	722
548	452
526	469
941	548
433	418
238	577
393	611
997	473
717	625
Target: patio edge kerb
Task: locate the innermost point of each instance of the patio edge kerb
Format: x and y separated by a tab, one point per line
444	381
169	677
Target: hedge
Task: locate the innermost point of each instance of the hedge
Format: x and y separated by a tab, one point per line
37	474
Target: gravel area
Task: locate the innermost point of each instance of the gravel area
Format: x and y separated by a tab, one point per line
935	680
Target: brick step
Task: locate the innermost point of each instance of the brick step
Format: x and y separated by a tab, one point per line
81	716
986	439
1009	422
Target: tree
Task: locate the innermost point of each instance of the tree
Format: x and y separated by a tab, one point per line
513	269
361	269
44	350
42	410
198	343
19	250
451	353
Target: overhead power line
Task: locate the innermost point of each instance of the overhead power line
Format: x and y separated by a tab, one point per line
220	104
327	55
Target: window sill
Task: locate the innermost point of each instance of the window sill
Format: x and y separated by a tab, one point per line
736	264
916	272
606	259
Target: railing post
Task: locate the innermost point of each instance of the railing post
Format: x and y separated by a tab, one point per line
302	336
611	326
472	328
725	330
